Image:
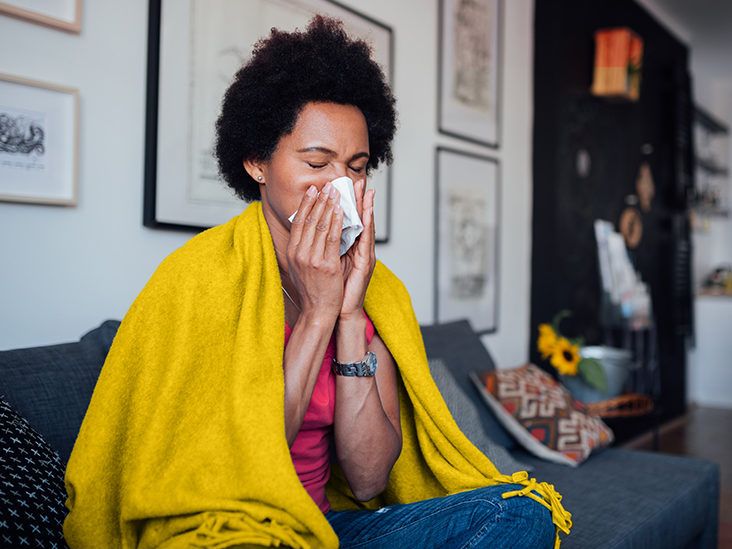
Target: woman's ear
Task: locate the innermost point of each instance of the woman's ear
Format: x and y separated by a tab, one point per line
255	171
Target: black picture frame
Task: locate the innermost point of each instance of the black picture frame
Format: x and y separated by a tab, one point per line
440	311
441	63
150	187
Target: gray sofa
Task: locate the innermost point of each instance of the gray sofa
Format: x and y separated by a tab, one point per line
618	497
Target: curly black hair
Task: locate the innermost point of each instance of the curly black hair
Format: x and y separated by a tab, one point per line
287	71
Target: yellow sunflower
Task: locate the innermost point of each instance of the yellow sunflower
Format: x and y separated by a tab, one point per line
547	340
566	357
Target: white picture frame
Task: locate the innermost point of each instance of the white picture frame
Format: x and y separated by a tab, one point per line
58	14
39	142
469	70
195	48
467	225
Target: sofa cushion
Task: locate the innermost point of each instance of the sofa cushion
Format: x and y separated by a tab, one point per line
626	498
461	349
467	416
51	386
542	414
31	486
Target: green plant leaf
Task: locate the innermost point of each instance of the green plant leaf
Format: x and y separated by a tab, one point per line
593	374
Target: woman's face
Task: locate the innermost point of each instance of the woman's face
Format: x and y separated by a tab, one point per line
329	141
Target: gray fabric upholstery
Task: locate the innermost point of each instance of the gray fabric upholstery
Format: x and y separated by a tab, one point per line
467	417
458	346
51	386
633	499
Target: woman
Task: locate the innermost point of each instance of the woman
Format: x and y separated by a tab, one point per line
342	121
196	443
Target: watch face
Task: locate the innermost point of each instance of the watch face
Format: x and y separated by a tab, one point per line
371	363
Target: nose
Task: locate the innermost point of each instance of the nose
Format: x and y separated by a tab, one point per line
339	170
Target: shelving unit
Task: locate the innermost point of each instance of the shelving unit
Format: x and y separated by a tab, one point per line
711	192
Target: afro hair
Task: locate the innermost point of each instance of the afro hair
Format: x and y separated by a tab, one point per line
288	70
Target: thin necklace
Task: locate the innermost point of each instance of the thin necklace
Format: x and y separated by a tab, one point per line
290	298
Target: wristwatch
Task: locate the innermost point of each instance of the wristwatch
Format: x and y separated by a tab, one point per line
364	368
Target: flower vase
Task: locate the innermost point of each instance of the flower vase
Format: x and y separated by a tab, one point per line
580	390
617	365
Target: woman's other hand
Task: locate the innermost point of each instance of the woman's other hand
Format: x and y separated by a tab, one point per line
313	253
358	262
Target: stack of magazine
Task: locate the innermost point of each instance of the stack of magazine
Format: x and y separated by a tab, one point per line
625	296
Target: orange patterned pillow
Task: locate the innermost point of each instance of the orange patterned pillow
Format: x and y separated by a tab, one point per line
541	414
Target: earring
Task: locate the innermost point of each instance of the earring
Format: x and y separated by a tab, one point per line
259	178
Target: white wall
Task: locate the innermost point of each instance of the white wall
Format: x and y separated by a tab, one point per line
64	270
710	374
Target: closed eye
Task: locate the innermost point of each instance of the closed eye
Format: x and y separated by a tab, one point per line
316	166
357	170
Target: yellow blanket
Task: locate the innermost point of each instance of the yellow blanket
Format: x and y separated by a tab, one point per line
183	444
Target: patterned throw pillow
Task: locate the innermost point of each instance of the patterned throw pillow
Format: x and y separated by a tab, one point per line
32	492
541	414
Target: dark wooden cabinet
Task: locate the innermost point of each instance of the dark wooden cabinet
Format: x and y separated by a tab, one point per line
571	127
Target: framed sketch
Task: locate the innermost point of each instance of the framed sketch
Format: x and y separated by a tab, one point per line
195	47
39	142
469	74
467	208
59	14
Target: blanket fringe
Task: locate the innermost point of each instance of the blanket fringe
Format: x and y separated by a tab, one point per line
224	529
550	499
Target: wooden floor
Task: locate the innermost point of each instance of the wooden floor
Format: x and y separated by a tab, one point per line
704	433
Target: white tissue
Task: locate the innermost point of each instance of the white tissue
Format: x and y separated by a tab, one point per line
352	225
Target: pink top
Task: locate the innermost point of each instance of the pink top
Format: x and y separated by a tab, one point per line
311	449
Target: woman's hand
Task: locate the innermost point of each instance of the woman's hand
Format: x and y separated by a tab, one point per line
358	262
313	253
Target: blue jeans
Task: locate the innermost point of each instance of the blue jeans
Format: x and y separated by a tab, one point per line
476	518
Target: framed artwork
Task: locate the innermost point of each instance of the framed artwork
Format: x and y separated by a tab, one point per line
469	74
39	142
59	14
467	209
194	49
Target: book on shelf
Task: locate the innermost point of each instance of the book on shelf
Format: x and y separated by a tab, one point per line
618	63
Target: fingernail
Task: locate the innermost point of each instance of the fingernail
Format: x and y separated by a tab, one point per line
326	189
337	207
312	191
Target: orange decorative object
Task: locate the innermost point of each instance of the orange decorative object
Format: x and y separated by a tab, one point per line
631	227
618	62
